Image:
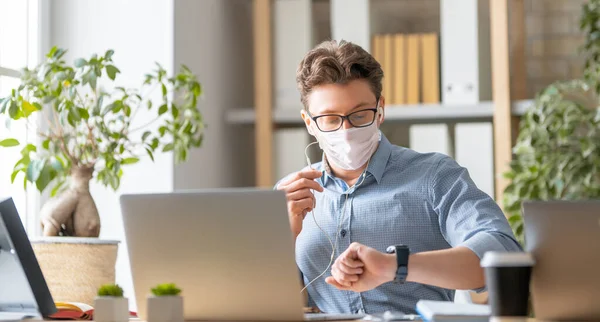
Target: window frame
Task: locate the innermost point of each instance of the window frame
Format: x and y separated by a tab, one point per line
38	40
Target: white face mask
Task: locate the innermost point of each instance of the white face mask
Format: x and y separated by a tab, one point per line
349	149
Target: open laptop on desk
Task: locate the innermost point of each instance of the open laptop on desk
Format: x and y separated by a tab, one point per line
23	289
564	237
230	250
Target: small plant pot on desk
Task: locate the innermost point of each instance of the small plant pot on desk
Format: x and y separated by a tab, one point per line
165	308
111	309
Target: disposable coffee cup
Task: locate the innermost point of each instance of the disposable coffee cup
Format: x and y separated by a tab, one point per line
507	276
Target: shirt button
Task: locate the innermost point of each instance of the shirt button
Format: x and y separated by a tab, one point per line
343	232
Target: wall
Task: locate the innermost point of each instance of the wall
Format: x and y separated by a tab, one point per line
86	27
553	38
214	38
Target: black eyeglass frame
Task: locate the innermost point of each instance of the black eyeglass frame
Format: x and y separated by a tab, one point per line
345	117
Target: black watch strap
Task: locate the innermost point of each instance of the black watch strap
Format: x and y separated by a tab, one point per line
402	252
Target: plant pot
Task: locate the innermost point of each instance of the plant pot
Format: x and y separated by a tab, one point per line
164	309
111	309
74	268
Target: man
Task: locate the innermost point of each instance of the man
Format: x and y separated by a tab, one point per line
367	194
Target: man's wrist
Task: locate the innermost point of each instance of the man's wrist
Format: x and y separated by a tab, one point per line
391	266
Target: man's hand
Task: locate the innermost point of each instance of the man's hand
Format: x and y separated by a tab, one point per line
361	268
300	200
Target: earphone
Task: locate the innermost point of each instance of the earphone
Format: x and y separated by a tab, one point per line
333	245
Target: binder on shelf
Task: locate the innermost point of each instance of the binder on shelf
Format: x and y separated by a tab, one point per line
399	82
430	68
412	69
388	68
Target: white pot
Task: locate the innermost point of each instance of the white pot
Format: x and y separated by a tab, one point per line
111	309
164	309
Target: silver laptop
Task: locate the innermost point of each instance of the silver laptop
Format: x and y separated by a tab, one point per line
564	238
229	250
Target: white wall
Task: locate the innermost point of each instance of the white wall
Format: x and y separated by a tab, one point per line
214	38
140	34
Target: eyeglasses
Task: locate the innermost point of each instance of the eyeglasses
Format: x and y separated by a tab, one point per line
333	122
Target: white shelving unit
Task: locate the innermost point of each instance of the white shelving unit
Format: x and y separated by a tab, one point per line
409	114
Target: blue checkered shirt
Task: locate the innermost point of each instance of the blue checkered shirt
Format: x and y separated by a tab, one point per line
426	201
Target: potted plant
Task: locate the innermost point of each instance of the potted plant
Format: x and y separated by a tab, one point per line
557	154
165	304
110	305
90	130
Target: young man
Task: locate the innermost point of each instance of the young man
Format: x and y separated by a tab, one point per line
367	195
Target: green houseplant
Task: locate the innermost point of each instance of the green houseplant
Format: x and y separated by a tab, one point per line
169	289
557	154
113	290
111	305
90	131
165	304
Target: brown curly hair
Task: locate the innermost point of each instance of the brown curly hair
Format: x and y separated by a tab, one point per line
333	63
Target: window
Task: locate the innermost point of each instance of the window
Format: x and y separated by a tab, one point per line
19	47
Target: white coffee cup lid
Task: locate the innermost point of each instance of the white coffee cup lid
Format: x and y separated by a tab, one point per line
507	259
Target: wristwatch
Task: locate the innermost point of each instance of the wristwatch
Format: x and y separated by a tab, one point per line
402	253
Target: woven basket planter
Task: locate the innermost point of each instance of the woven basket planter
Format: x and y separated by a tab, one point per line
74	268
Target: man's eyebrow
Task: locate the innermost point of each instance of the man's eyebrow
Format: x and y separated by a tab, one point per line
357	106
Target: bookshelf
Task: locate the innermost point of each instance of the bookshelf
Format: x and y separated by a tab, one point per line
499	110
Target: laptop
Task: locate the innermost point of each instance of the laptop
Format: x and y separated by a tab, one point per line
229	250
564	237
23	289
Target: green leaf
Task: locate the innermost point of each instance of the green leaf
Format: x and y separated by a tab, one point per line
46	144
174	111
112	71
162	130
28	108
114	182
13	176
9	143
145	135
84	114
28	149
46	176
117	106
168	147
34	169
13	109
3	104
130	160
80	62
150	154
163	109
154	144
164	90
109	54
148	103
56	165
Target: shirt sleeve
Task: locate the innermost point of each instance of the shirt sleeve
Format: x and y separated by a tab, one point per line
468	216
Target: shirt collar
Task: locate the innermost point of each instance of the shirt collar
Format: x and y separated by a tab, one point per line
377	163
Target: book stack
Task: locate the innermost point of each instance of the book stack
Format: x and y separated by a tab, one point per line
411	67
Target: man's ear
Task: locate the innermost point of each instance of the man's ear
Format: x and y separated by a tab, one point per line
307	121
381	110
